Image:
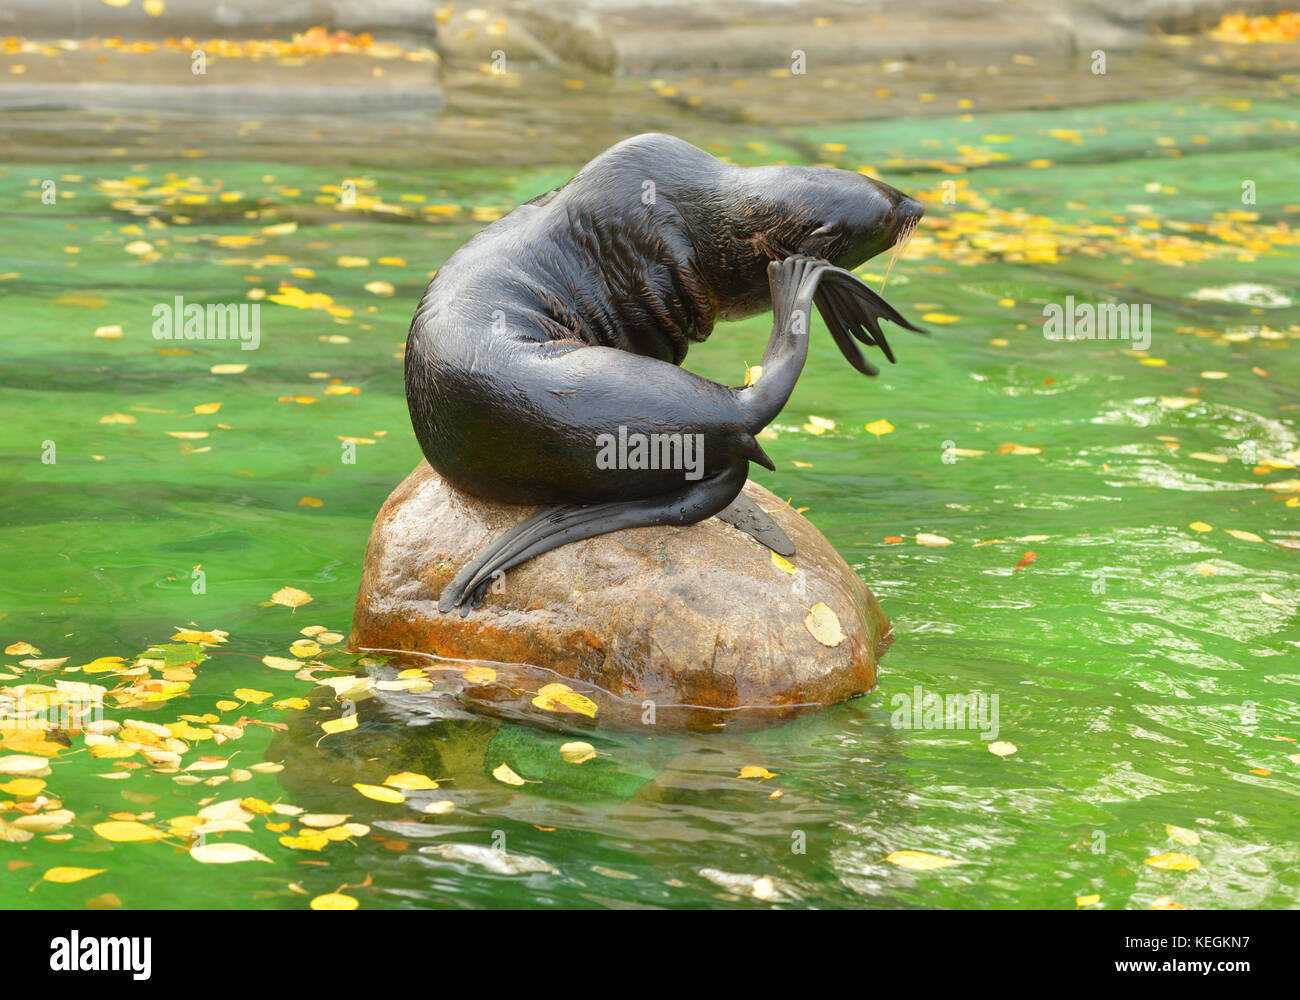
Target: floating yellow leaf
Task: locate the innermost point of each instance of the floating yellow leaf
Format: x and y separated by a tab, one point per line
308	840
291	597
561	697
823	625
1182	835
1173	861
1002	748
409	781
1087	900
23	787
64	875
1200	526
932	541
117	418
334	901
879	427
577	752
919	861
21	649
755	771
506	775
252	695
939	318
1245	536
340	725
225	854
480	675
127	831
207	408
230	369
379	793
281	663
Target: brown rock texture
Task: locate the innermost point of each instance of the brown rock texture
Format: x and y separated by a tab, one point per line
683	628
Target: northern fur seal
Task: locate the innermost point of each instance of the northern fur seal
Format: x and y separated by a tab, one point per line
557	332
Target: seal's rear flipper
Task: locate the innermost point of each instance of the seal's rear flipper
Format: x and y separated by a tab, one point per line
552	527
750	518
852	309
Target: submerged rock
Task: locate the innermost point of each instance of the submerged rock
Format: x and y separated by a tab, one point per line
680	628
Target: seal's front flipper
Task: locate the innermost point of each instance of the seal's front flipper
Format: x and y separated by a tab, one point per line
752	519
552	527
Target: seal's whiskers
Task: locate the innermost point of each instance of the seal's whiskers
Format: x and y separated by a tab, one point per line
900	244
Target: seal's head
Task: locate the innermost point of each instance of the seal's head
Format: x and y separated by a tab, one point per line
838	215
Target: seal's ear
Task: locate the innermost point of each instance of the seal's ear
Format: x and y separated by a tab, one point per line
852	309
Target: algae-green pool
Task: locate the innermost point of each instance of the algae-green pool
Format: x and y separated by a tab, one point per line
1096	540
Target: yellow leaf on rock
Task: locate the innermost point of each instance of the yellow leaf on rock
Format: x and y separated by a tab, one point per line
919	861
783	564
480	675
823	625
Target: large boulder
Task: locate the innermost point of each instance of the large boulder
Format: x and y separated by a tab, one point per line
695	628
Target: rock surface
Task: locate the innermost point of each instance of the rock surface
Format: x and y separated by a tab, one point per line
699	622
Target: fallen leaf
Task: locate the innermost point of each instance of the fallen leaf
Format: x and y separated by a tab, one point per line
65	875
291	597
225	854
506	775
577	752
823	625
1173	861
379	793
919	861
334	901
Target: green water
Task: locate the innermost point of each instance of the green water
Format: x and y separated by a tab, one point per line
1144	670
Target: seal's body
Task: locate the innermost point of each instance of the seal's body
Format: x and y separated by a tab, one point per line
560	328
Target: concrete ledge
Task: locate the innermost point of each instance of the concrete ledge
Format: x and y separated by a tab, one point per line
53	19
